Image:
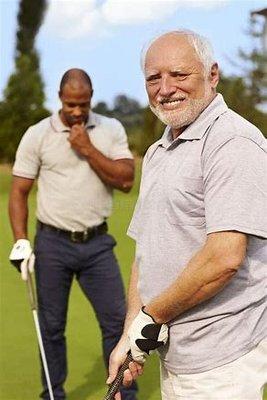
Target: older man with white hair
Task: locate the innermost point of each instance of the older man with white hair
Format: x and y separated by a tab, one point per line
198	285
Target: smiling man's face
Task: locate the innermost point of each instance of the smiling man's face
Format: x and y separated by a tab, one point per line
178	87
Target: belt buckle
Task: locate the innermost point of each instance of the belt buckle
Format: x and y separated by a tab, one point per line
73	236
79	237
85	235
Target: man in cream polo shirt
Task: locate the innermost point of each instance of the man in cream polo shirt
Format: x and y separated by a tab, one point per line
78	158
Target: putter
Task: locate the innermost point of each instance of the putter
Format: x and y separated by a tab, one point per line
113	388
33	304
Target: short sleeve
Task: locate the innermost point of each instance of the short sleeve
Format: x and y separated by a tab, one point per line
136	221
133	228
27	161
120	148
235	187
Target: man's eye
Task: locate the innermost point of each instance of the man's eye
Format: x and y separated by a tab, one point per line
179	75
153	78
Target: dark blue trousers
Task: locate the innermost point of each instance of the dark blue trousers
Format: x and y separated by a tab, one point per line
58	261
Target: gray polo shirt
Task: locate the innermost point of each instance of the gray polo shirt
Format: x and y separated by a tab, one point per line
70	194
211	178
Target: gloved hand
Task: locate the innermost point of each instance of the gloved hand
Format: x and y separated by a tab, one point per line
145	335
22	257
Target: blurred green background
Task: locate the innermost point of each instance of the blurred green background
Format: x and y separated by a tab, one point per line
19	368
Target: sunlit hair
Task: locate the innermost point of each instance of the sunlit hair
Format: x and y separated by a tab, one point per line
200	43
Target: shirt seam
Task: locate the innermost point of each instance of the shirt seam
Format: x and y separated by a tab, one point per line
212	228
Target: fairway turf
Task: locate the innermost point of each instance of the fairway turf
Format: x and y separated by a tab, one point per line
19	363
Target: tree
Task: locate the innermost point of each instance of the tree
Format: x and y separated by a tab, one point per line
102	108
128	111
256	62
247	94
23	103
239	98
153	129
124	105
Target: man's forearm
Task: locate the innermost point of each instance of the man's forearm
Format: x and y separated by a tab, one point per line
18	207
18	213
134	301
118	174
205	275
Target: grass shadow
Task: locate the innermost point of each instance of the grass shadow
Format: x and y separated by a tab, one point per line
93	381
148	383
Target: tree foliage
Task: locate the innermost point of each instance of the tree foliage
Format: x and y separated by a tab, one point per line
247	94
23	103
125	109
255	63
30	17
152	130
239	98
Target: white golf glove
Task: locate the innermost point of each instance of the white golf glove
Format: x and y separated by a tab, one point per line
145	335
22	257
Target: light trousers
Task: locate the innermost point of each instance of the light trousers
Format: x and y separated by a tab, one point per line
242	379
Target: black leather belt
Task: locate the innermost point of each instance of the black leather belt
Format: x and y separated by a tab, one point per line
76	236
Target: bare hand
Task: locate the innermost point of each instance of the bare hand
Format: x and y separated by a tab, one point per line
79	139
132	373
117	358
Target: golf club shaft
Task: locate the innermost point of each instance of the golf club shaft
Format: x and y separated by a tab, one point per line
114	387
31	292
38	332
41	347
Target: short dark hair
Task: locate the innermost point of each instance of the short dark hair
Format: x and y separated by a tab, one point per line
74	74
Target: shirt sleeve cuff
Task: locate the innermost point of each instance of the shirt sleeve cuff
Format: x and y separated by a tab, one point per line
23	174
132	234
238	228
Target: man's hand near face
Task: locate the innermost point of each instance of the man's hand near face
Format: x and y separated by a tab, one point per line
79	139
115	173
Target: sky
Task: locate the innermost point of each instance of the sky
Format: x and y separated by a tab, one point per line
105	38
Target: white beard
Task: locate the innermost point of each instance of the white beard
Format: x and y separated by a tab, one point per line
178	118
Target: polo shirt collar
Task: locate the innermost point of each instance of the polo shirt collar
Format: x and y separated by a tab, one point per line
58	125
198	128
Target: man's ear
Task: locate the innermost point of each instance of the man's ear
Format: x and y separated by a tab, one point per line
59	94
214	75
92	92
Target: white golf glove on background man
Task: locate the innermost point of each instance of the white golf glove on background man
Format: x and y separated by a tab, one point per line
145	335
22	257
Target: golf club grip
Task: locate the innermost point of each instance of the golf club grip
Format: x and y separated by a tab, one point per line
118	380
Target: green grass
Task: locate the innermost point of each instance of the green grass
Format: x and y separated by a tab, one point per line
19	362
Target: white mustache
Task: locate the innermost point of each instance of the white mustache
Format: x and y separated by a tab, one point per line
171	100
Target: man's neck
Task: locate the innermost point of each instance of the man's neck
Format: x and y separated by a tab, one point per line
62	119
175	132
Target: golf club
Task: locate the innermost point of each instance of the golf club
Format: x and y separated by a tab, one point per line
33	304
119	378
